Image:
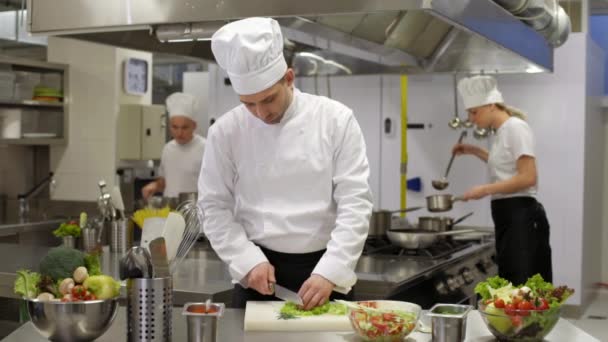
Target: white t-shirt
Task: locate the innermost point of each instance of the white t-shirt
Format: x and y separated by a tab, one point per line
180	165
513	139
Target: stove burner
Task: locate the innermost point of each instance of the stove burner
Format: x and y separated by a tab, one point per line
440	249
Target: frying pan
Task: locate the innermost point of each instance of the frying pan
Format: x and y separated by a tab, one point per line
416	238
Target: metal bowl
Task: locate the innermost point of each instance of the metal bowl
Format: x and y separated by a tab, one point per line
72	321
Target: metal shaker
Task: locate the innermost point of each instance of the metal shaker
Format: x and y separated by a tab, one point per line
449	322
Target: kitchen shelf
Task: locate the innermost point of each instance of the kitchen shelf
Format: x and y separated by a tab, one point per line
40	116
30	103
34	141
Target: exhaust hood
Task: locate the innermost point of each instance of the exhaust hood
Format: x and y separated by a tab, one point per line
324	37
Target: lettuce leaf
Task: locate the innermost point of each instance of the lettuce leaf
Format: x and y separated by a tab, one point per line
26	284
496	282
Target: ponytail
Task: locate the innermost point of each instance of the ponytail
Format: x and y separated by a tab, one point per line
512	111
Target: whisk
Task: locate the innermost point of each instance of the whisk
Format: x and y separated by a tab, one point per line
193	216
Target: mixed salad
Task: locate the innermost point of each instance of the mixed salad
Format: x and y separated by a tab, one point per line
527	311
382	324
66	275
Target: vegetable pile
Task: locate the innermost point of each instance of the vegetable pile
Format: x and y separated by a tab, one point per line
292	310
68	229
525	312
66	275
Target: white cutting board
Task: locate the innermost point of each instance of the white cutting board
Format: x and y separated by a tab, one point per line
152	229
263	316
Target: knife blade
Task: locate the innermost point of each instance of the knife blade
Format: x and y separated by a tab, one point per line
287	295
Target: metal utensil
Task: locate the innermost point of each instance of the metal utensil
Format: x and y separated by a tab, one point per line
415	238
455	122
193	216
381	220
158	251
441	202
286	294
443	182
136	263
439	223
72	321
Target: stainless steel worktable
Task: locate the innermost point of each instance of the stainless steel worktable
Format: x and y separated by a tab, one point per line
231	330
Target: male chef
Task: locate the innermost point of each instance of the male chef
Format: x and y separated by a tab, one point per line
284	182
180	162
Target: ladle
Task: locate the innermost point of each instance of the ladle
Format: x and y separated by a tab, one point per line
443	183
455	122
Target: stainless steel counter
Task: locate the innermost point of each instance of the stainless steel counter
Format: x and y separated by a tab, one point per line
231	330
35	232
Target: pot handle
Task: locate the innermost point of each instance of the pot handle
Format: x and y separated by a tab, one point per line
461	219
457	198
406	210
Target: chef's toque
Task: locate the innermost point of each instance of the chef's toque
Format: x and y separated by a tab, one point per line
477	91
251	52
181	104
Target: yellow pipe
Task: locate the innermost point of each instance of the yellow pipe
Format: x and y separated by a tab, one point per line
403	143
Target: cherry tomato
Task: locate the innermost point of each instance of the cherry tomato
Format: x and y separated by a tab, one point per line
516	300
78	292
510	309
524	307
544	305
516	321
499	303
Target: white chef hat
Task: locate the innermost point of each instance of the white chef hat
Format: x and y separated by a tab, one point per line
181	104
477	91
251	52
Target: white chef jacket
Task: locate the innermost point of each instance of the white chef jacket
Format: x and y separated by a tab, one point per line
180	165
294	187
513	139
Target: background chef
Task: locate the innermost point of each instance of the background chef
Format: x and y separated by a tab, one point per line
284	182
181	159
520	221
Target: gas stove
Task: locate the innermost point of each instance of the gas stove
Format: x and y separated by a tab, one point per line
440	249
445	272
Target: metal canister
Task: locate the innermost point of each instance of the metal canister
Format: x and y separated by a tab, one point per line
121	236
149	309
89	239
449	322
68	241
203	320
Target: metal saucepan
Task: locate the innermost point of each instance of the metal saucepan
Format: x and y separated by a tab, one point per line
416	238
381	220
439	203
439	223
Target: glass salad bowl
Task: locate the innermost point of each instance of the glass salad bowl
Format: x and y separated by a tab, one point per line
383	320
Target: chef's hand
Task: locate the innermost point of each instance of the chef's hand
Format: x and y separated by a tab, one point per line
462	149
260	277
476	192
148	190
315	291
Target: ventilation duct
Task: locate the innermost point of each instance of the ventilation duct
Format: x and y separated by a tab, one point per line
547	17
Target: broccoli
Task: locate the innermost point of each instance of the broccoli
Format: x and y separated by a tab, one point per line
60	262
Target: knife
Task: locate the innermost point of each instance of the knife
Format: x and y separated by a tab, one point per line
286	294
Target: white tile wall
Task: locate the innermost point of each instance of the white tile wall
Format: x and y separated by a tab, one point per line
96	91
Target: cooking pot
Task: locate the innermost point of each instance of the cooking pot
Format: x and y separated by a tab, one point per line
381	220
439	223
416	238
439	203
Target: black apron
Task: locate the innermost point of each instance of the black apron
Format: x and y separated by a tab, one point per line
290	271
522	239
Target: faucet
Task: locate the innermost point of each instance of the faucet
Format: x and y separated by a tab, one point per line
24	206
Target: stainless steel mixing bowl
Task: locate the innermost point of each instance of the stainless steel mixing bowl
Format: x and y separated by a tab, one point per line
72	321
